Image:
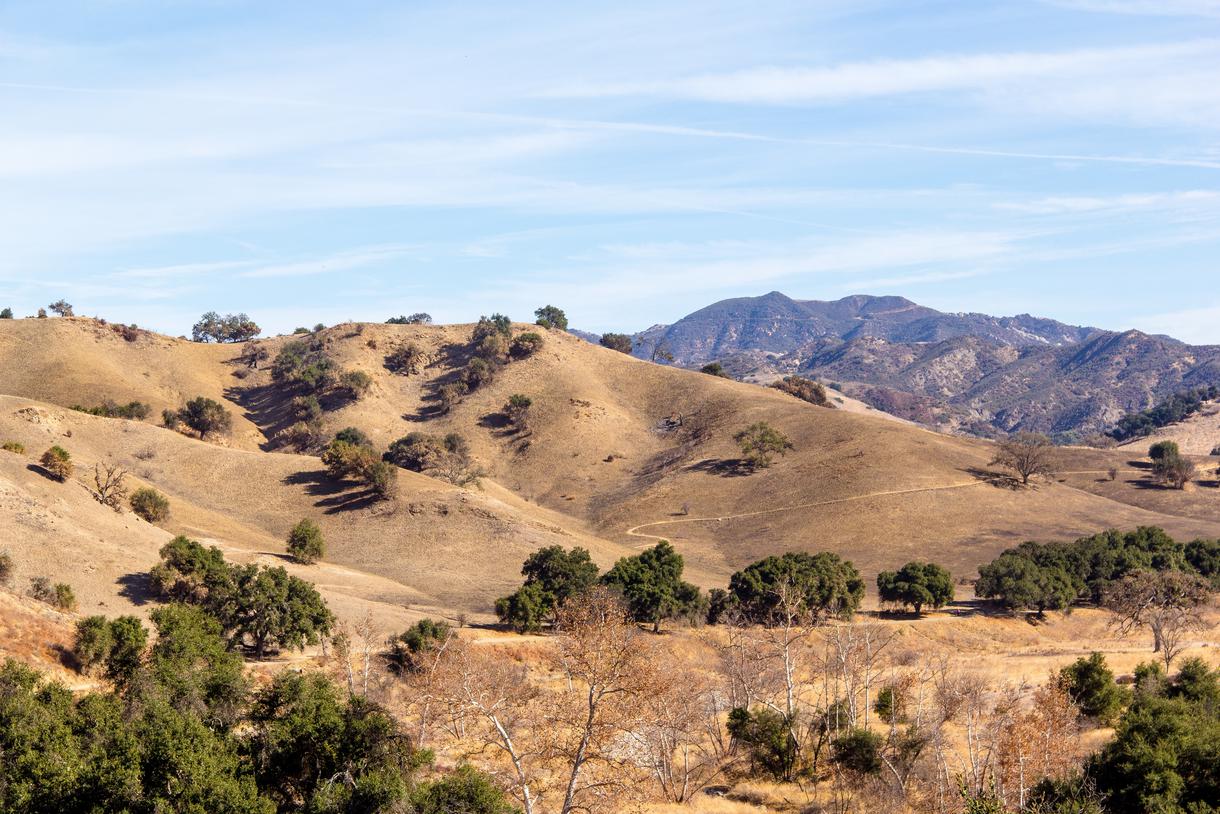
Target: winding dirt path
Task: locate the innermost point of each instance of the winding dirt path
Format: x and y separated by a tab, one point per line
634	531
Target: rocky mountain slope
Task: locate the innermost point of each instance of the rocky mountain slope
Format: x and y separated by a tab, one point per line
972	372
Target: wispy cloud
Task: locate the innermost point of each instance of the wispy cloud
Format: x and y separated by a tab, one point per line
1060	205
183	270
1157	8
340	261
888	77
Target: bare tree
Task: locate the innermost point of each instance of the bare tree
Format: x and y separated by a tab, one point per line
1027	454
1169	603
498	696
610	670
682	741
110	487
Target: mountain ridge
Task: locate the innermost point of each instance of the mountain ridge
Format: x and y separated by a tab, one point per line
965	371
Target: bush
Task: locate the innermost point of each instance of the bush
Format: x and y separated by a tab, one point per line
526	344
303	363
13	446
803	389
447	457
59	594
306	409
135	410
406	359
6	567
356	383
517	410
889	705
768	738
714	369
6	313
305	543
465	790
408	648
150	504
1090	684
62	308
619	342
551	317
477	373
93	642
759	442
450	395
353	435
205	416
169	418
858	751
58	462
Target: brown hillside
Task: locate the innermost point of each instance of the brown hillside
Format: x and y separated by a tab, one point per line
618	447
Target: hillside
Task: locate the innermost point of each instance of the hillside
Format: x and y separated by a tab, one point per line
968	372
621	451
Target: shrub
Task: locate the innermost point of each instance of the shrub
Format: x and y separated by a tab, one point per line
58	462
150	504
356	383
382	477
526	344
306	408
344	459
760	442
135	410
93	642
169	418
353	435
477	373
304	363
803	389
768	738
65	598
6	567
619	342
450	395
889	705
551	317
858	751
62	308
488	326
1090	684
305	543
110	485
58	594
407	649
6	313
714	369
406	359
517	409
205	416
42	313
447	457
465	790
916	584
13	446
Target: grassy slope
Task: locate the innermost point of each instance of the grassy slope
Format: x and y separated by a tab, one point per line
598	463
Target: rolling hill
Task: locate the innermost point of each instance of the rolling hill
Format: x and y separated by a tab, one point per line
620	452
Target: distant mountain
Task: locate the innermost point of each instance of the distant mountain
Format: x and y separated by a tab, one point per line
972	372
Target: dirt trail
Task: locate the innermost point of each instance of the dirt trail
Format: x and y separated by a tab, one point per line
634	531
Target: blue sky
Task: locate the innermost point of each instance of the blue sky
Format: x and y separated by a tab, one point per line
629	162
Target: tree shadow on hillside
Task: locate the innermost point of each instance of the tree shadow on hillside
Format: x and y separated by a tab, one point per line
266	407
136	587
1001	480
977	607
336	495
724	467
1146	465
454	356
